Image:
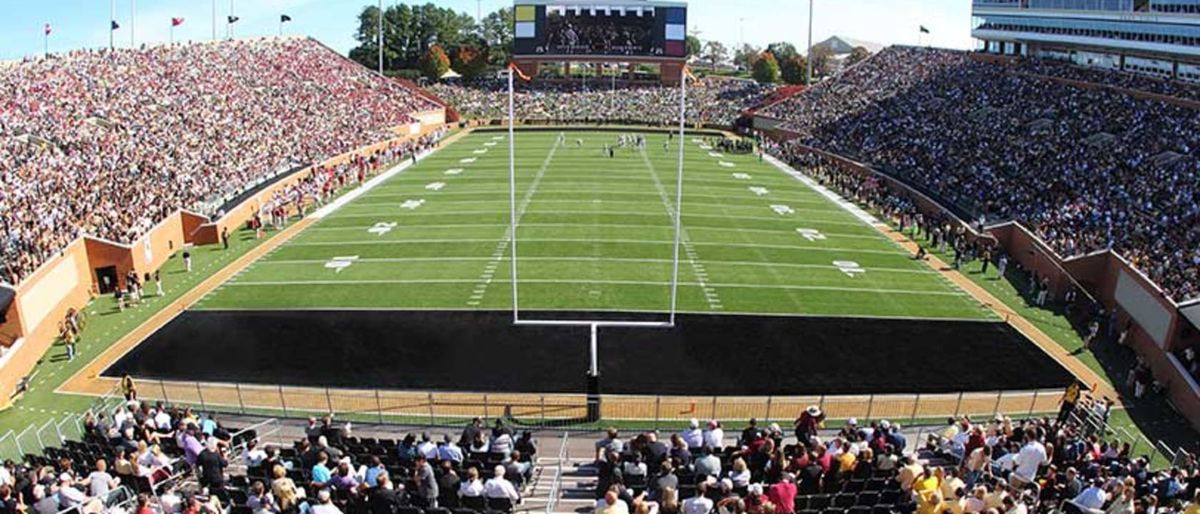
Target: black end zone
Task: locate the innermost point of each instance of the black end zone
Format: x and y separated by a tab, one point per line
482	351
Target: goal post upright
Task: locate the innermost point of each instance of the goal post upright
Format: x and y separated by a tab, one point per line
594	325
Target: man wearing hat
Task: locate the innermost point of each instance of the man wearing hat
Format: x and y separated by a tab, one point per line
808	423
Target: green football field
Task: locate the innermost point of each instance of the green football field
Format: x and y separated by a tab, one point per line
595	234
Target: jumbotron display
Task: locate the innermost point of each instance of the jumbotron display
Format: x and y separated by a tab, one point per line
632	29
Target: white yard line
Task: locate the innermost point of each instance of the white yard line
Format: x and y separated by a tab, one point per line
596	259
871	237
552	212
594	240
547	192
710	293
489	271
277	283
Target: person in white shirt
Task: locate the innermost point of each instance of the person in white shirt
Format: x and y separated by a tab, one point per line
1091	498
698	504
162	420
427	448
1031	456
502	443
499	487
324	504
693	436
714	437
740	474
253	456
472	487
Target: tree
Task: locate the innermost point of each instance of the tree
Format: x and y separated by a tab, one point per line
435	62
469	61
408	32
766	68
857	55
792	70
745	56
693	45
498	35
783	50
715	53
822	61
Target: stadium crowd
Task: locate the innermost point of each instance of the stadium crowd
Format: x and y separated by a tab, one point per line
153	458
108	143
1087	169
989	466
710	101
1115	78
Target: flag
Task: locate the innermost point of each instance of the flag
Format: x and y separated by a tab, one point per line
175	22
515	69
687	71
924	30
233	19
115	25
47	29
283	18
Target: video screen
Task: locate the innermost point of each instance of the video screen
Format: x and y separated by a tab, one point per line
612	33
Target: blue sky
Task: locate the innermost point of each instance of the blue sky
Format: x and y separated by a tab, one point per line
84	23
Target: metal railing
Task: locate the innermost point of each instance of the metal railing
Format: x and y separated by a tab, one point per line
442	409
560	467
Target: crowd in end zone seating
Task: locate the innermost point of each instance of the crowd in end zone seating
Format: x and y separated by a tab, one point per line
1087	168
178	461
108	143
989	466
713	100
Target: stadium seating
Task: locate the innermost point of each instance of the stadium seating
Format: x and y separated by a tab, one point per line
1087	168
108	143
711	101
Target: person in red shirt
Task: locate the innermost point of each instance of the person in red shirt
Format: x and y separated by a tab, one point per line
783	494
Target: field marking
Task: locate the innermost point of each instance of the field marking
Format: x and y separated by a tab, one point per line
508	237
367	186
880	227
601	241
631	260
783	232
854	223
582	193
456	281
674	211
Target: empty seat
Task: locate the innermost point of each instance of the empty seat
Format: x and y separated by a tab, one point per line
867	498
408	509
500	504
818	501
844	500
474	502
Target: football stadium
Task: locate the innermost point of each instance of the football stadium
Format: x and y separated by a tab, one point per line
630	257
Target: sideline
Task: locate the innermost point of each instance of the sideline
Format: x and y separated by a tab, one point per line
1099	385
87	381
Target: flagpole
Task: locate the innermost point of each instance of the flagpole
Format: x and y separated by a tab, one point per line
214	20
45	43
112	17
231	14
808	61
381	37
132	23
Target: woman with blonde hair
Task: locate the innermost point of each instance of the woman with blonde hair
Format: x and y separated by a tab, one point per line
284	490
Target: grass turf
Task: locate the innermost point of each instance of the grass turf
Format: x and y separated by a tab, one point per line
595	235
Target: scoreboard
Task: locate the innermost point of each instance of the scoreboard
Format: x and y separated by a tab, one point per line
633	28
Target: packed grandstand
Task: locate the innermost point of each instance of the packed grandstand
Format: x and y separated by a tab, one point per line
107	143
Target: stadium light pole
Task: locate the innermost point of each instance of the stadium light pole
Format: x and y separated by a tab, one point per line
808	62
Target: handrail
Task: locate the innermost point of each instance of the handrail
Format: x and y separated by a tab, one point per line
556	486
